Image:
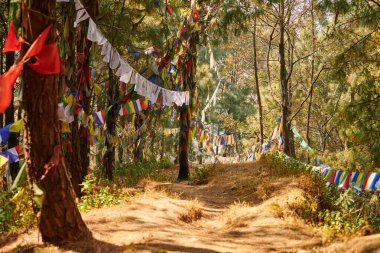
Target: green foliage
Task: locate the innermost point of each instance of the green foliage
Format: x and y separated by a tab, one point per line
341	212
130	174
96	196
16	212
286	165
350	212
99	192
199	176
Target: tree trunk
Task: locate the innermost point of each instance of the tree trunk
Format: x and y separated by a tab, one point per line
163	143
83	51
186	111
109	155
72	151
284	82
257	83
183	155
60	219
312	75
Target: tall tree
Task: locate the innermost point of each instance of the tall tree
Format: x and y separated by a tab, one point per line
83	61
60	219
257	81
72	152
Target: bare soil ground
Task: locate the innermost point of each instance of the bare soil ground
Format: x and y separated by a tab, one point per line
242	208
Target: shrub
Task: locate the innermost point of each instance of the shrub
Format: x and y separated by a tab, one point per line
199	176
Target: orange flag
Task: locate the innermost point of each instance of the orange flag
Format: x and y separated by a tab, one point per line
7	81
11	42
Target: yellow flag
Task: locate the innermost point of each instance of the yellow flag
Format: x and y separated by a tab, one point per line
202	138
69	100
17	126
97	89
91	125
3	160
133	119
65	127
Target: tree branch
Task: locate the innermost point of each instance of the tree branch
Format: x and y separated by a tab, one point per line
308	95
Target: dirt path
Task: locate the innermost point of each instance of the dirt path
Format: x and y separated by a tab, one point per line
171	220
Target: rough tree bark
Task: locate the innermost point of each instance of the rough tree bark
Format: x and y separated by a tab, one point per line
60	219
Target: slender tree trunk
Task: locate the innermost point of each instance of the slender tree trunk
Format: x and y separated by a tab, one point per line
109	156
312	75
183	155
83	52
72	152
60	219
257	84
186	113
284	82
163	143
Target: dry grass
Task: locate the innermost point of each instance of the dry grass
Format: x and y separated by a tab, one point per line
236	215
192	213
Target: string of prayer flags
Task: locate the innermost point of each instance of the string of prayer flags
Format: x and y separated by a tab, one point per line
369	181
134	107
124	71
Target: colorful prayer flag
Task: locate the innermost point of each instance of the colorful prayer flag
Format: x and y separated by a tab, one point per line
123	111
17	126
5	133
11	43
98	117
130	107
8	80
47	60
3	161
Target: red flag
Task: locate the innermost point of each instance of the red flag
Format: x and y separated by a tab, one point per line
7	81
38	44
11	42
19	149
47	60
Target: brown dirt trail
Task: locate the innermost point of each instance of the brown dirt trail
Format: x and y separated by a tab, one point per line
242	208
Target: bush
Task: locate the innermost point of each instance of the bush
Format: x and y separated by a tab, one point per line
16	211
199	176
130	174
97	195
340	211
